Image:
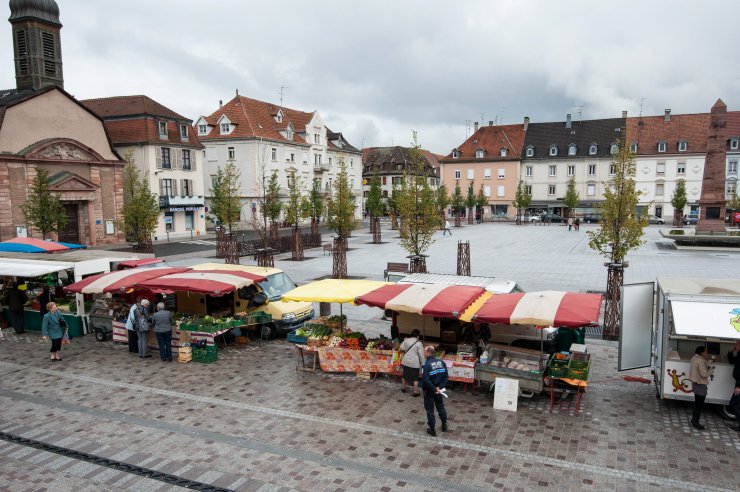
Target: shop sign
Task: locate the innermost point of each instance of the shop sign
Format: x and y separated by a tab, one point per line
189	208
506	395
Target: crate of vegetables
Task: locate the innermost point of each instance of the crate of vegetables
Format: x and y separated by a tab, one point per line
298	336
205	355
381	346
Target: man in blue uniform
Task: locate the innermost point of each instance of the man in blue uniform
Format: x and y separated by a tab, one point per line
434	381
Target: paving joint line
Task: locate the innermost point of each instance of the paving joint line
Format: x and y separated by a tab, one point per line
517	455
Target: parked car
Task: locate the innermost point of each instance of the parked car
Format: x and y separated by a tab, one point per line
528	218
551	218
592	218
690	220
652	219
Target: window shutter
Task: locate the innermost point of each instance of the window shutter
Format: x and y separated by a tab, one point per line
192	192
174	188
182	187
192	161
161	188
176	158
159	160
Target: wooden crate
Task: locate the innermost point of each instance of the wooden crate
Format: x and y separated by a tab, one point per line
363	375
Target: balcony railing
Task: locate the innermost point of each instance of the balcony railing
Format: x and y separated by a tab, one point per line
320	168
181	201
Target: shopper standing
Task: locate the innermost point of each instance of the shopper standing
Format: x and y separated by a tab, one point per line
51	329
699	376
733	357
413	359
577	224
434	382
143	322
163	331
133	337
16	301
570	223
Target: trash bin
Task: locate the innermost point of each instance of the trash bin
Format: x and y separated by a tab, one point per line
580	334
566	337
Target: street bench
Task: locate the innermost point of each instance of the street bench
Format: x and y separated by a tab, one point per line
393	267
328	247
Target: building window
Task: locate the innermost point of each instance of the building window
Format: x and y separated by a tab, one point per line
385	180
396	180
479	154
487	190
592	169
572	149
504	152
528	171
231	153
225	127
681	168
351	163
591	189
571	170
633	147
501	173
593	149
660	168
455	154
659	188
487	173
551	190
683	145
553	150
732	167
530	151
471	173
289	133
316	138
500	191
202	129
186	160
22	45
274	154
292	157
279	117
614	149
47	45
184	132
458	174
553	170
611	169
167	188
528	189
305	157
187	188
162	129
661	146
734	144
166	162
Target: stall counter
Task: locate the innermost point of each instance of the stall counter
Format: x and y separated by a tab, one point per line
32	321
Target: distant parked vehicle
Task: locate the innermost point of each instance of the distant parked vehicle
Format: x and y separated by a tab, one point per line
652	219
528	218
551	218
690	220
592	218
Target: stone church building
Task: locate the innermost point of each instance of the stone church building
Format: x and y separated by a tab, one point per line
42	126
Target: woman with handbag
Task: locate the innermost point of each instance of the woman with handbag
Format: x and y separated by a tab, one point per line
412	361
52	329
699	377
143	322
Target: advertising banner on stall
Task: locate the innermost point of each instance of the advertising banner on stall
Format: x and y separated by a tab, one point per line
506	395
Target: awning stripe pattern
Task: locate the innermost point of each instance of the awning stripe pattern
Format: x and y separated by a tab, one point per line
547	308
213	282
120	281
429	299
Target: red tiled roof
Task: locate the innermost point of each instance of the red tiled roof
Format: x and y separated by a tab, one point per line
386	160
733	124
129	106
647	131
492	139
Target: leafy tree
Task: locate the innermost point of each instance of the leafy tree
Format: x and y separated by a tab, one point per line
417	206
392	207
314	203
273	204
678	201
572	198
225	202
140	211
340	205
374	204
620	232
471	201
43	210
481	200
522	199
443	199
295	209
458	203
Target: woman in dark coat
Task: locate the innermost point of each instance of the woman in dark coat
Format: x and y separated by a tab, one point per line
51	329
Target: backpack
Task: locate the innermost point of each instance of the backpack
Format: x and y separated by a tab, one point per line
140	321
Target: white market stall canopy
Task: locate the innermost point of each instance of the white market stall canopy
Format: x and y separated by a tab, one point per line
30	269
706	319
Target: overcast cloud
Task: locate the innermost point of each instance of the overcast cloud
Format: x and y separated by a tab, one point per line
375	70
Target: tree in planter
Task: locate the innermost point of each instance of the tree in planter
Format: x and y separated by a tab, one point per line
392	207
620	232
260	216
43	210
340	217
458	203
522	199
140	211
295	212
481	201
443	200
471	201
572	198
678	201
225	202
374	206
314	206
417	208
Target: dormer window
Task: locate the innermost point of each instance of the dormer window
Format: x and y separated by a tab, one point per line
279	116
530	151
593	149
613	149
162	129
184	132
553	150
633	147
661	146
225	127
455	154
682	145
480	154
734	143
572	149
202	129
504	151
289	132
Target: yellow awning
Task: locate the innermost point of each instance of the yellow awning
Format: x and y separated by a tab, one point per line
467	316
332	290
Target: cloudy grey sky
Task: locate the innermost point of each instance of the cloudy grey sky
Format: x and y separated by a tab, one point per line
377	69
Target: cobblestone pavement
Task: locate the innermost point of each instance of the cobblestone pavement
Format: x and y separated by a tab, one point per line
251	422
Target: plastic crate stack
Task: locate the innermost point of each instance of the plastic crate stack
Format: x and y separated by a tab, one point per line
205	355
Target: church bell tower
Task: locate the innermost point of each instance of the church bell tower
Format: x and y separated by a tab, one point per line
36	43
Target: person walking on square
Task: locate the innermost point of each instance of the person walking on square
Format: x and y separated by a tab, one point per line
447	228
163	331
577	224
434	381
733	357
16	301
570	223
413	359
51	329
142	323
133	337
699	377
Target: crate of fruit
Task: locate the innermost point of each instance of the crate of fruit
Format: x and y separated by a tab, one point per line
577	370
557	372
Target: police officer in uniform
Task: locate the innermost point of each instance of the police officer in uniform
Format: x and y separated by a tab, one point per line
434	381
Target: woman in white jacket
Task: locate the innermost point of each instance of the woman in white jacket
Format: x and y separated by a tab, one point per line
412	361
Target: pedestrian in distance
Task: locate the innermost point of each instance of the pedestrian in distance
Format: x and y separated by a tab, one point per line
143	322
577	224
434	382
44	299
412	361
733	357
162	320
16	299
447	228
699	377
570	223
133	336
52	328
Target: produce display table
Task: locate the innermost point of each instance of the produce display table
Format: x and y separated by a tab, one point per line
32	321
301	352
178	336
334	359
570	386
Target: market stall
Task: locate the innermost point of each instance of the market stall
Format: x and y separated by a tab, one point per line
33	245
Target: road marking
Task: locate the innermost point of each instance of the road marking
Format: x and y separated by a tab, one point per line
200	241
405	435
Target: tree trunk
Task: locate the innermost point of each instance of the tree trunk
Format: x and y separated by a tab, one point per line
231	249
376	230
314	226
220	242
457	219
463	258
265	257
274	236
339	258
677	216
372	223
394	222
612	313
418	264
297	244
471	213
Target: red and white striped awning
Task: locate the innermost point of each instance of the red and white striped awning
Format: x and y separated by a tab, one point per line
119	281
211	282
448	301
546	308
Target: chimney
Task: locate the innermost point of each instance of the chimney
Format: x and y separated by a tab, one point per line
220	103
237	92
490	122
567	121
526	123
475	126
624	114
667	115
